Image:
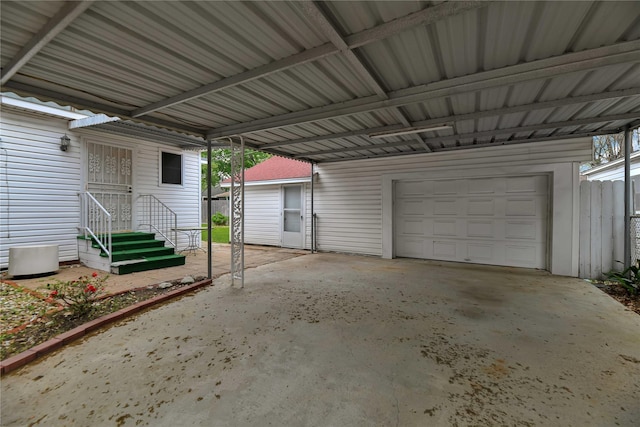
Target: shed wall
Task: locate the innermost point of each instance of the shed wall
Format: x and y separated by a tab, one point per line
263	214
354	199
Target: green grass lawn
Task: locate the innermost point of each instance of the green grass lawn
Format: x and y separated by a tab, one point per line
219	234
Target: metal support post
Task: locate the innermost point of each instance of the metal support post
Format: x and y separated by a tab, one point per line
627	197
209	245
313	241
237	211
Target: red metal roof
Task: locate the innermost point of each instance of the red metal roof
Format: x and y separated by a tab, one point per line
275	168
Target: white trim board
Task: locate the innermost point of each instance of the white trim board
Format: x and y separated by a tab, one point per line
272	182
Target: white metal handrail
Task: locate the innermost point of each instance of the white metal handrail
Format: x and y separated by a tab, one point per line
95	222
159	218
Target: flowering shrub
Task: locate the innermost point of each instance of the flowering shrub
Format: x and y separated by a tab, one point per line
78	295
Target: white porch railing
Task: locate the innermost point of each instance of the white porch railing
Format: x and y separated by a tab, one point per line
95	222
159	218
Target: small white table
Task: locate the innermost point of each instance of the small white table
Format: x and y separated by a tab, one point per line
194	235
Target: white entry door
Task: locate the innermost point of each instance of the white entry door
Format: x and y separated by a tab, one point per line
109	179
499	221
292	223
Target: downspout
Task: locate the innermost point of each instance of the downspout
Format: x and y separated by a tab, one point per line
209	239
313	242
627	198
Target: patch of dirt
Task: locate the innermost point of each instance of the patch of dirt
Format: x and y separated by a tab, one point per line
41	326
620	294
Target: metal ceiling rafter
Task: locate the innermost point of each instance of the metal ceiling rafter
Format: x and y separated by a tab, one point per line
65	16
625	52
482	134
484	145
314	12
423	17
469	116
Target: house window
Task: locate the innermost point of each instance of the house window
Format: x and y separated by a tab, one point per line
171	168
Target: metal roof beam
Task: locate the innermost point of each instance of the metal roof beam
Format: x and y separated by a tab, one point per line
254	146
303	57
67	13
484	145
529	128
424	17
313	11
626	52
470	116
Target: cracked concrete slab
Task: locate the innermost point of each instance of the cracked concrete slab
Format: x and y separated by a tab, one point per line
336	340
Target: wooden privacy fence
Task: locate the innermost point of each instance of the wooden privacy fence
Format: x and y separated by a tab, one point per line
601	228
221	206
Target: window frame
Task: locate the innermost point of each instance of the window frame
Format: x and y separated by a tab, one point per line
161	168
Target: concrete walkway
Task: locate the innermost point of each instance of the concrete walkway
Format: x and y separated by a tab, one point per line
196	265
338	340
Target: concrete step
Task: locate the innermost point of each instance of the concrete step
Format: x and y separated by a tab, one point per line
145	264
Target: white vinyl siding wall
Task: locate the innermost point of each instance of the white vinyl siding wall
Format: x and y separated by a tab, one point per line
263	214
349	196
39	185
262	208
183	199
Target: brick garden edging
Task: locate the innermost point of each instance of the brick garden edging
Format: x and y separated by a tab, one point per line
19	360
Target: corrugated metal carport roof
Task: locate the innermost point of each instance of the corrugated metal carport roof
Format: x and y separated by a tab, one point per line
312	80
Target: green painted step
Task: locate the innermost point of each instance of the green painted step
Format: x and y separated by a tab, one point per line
134	235
120	237
139	253
150	263
133	244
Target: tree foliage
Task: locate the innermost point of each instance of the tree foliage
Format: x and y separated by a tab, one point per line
221	164
611	147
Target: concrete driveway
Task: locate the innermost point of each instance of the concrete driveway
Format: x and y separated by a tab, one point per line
339	340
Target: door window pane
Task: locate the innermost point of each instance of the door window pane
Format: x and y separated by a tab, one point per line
292	221
292	197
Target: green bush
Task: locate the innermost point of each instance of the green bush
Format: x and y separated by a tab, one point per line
219	219
629	278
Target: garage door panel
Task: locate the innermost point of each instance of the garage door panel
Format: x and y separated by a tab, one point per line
521	207
484	186
410	227
523	230
480	228
445	207
524	255
412	207
526	184
412	188
411	247
480	252
445	249
486	207
445	227
444	187
499	221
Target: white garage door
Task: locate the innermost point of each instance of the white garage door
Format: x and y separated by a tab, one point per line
498	221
